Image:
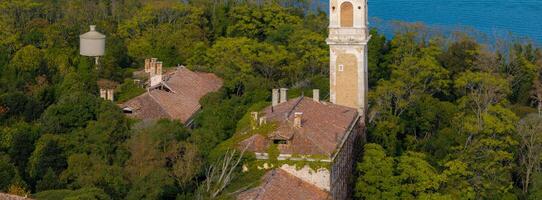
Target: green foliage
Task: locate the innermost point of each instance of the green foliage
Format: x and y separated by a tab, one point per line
155	185
49	154
444	97
19	106
416	176
377	50
7	172
91	171
71	112
128	90
18	141
376	179
80	194
48	182
536	191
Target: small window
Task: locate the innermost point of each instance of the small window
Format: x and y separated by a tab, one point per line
341	68
128	110
280	142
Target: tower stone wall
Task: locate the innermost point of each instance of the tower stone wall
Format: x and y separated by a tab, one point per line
347	40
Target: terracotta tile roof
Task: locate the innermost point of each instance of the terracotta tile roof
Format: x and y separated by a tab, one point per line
279	184
181	102
323	127
4	196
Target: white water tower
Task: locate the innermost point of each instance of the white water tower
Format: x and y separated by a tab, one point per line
92	43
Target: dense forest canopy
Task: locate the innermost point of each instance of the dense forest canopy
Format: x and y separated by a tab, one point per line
449	117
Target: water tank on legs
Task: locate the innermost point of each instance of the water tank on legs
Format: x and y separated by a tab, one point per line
92	43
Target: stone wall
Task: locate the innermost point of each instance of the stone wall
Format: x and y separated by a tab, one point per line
319	178
343	165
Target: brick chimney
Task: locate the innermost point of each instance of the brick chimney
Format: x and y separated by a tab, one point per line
254	119
254	116
103	93
283	95
275	97
110	94
147	65
263	120
316	95
298	118
156	73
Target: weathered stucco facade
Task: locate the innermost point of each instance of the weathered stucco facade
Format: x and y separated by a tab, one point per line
348	37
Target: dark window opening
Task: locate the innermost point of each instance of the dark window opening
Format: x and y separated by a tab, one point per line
127	111
280	142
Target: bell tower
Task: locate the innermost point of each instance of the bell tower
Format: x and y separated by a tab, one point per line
347	40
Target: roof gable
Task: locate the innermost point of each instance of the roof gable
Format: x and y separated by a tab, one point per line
181	98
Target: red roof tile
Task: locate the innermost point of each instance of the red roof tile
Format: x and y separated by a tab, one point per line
279	184
187	88
323	127
4	196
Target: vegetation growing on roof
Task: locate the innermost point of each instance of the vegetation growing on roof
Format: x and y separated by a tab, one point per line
128	90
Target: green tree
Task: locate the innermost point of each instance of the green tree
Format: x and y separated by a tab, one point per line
536	187
7	172
155	185
377	50
489	128
49	153
80	194
26	64
530	151
457	185
19	106
376	180
91	171
48	182
418	179
71	112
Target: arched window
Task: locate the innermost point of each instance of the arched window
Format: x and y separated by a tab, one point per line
347	14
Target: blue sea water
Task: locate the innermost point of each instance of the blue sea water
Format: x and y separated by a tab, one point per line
494	18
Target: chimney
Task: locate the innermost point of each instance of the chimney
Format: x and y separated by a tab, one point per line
156	72
110	93
159	68
298	117
275	98
283	95
254	116
152	66
103	93
263	120
254	119
147	65
316	95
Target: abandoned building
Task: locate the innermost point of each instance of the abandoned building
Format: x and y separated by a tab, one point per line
306	129
310	130
172	95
